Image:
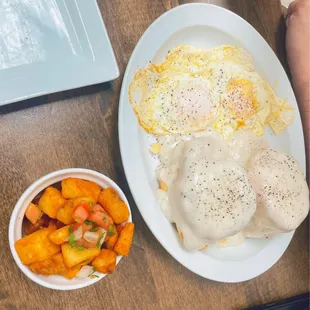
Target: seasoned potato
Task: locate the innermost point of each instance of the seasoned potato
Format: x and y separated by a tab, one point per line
52	224
115	207
74	188
105	262
65	214
72	272
30	228
51	266
51	201
60	235
73	256
123	244
36	247
110	241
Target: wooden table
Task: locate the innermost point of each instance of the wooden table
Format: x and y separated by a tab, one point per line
78	128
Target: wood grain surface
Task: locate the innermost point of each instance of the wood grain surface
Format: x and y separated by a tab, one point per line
78	128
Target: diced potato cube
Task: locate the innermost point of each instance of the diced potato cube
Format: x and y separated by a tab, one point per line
105	262
75	188
33	213
60	235
36	247
72	272
123	244
51	266
74	256
65	214
111	240
51	201
115	207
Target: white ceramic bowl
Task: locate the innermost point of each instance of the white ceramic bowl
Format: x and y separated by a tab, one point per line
15	227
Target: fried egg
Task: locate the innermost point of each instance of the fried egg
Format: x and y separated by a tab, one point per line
195	88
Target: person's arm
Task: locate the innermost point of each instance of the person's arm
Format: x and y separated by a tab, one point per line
298	55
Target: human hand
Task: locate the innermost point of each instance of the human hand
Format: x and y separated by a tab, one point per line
298	42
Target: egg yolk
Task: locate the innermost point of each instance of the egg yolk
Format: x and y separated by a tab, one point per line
240	100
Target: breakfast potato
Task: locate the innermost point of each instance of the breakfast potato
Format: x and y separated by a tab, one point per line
73	256
74	188
105	262
52	224
51	201
110	241
72	272
36	247
51	266
60	235
65	214
115	207
30	228
123	244
33	213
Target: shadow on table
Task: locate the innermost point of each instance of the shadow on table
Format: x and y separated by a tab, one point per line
45	99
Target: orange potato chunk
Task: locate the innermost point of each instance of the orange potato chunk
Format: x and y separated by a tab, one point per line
33	213
36	247
60	235
114	206
110	241
72	272
73	256
105	262
51	201
123	244
51	266
75	188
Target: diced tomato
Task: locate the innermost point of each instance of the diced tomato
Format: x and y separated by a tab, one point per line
97	207
101	218
75	226
79	214
85	205
85	244
33	213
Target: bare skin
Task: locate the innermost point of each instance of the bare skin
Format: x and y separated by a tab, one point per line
298	54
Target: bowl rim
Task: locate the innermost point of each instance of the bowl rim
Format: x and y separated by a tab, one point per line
28	195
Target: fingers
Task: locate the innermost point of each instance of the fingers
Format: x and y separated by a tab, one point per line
297	5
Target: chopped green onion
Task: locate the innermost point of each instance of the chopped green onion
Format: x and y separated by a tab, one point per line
80	248
88	222
111	231
104	219
100	239
91	204
70	229
95	229
72	240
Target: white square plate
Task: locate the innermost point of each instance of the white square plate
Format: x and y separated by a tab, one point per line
48	46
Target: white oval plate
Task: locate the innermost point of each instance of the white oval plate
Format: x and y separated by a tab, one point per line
202	25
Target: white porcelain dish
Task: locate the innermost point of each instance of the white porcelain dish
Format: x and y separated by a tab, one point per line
50	46
15	227
202	25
